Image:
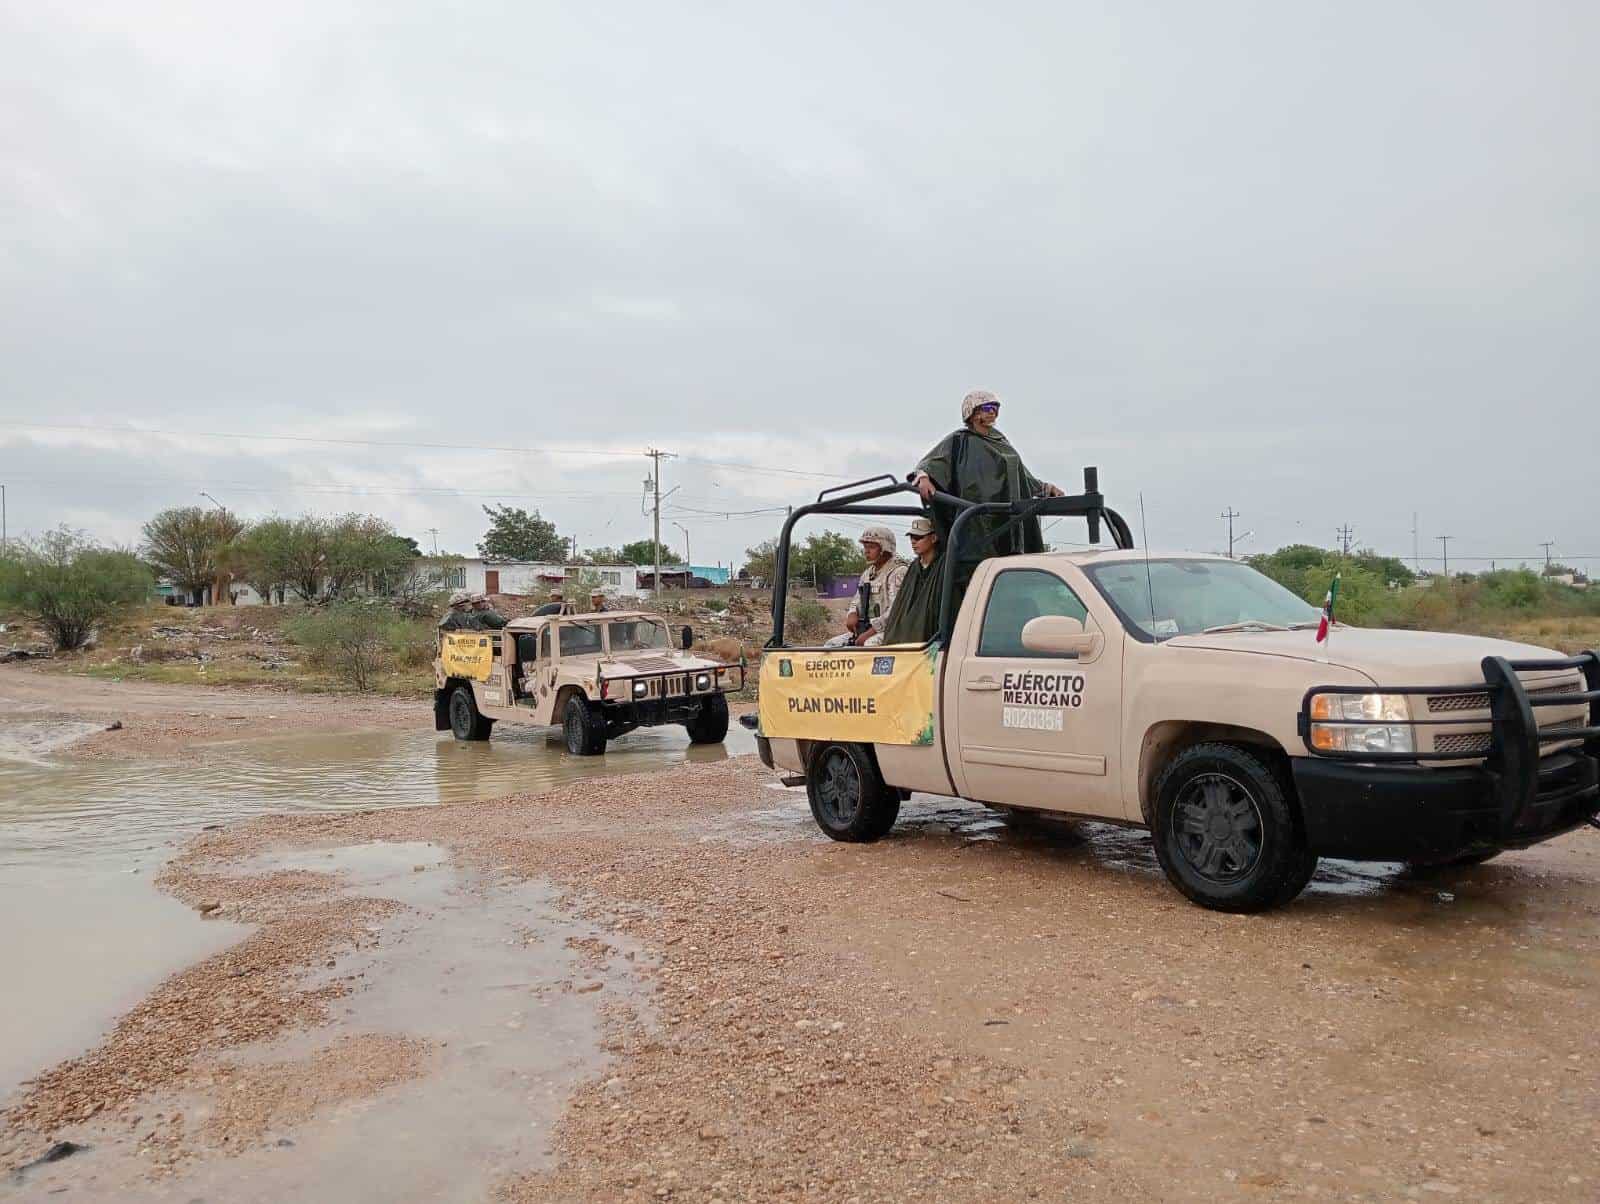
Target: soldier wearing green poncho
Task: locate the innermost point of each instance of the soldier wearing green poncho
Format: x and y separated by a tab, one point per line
914	618
979	464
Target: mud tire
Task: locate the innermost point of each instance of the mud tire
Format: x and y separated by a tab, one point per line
848	797
710	726
466	721
583	730
1226	831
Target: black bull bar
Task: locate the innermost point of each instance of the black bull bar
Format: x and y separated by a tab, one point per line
1515	741
1089	505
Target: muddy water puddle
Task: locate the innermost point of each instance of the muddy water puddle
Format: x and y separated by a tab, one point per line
471	1015
86	935
1119	849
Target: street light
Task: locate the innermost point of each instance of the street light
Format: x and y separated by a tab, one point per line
213	501
687	559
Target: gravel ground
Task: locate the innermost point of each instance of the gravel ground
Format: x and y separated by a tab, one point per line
959	1012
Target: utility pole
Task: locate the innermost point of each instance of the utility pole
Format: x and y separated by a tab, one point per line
654	484
1416	554
1444	543
1547	545
1230	514
434	531
1344	537
4	541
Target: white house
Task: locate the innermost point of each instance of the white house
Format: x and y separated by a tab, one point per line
538	579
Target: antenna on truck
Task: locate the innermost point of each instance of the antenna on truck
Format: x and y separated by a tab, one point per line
1149	585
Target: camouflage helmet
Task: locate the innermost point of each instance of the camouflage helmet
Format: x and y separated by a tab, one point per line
974	399
459	597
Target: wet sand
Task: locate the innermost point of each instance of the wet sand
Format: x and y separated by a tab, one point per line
960	1012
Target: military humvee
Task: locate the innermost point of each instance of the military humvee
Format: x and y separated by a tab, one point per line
598	675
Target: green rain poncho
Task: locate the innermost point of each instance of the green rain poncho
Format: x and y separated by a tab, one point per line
915	614
982	468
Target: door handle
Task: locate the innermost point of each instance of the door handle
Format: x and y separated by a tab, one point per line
983	683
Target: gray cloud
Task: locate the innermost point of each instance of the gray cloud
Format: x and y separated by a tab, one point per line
1324	262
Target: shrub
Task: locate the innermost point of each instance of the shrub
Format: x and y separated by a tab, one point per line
806	621
356	640
69	585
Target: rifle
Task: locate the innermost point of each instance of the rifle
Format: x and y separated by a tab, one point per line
863	609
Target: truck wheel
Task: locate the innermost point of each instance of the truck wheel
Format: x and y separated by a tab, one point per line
710	726
585	731
848	798
466	721
1225	831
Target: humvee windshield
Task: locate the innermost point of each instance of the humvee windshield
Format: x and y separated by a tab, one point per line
1191	596
635	635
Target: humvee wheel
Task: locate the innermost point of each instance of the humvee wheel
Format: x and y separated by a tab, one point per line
710	725
585	732
848	798
1225	832
466	722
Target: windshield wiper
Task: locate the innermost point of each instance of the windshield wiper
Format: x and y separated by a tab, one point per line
1245	625
1305	625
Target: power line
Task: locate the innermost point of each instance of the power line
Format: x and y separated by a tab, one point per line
427	446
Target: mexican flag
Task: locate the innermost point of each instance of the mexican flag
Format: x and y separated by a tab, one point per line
1327	609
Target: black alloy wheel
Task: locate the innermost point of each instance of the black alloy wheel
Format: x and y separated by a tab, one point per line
848	797
1227	833
1218	827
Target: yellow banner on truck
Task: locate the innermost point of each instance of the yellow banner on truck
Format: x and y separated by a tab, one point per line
867	695
466	654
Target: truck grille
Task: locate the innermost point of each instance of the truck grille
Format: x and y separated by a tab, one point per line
1477	744
1479	700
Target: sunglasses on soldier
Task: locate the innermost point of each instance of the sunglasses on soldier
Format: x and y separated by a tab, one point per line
988	407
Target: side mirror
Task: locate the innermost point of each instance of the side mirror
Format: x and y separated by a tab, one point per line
688	638
1058	635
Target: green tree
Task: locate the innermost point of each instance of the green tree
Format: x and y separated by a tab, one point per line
825	554
1391	570
604	555
516	534
363	552
306	556
762	560
643	552
1363	597
262	557
69	585
1289	565
186	544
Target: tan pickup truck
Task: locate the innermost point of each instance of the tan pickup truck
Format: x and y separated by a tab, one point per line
598	676
1188	695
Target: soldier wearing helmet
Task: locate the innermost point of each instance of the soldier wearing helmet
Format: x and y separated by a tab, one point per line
880	582
460	616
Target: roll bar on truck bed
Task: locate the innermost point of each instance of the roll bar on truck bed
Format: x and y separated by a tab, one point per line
861	498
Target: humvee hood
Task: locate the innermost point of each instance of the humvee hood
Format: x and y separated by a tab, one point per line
1388	657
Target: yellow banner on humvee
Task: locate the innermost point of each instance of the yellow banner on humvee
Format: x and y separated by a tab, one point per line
466	654
869	695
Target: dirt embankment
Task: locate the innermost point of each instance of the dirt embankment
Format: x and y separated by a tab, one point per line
959	1012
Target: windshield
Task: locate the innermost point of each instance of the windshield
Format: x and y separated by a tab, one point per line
636	635
1196	595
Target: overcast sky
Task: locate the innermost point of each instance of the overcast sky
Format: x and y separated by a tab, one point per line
1323	263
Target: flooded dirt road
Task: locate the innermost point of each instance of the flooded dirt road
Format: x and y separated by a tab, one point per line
964	1011
82	838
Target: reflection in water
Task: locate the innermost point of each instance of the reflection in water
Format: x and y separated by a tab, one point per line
49	810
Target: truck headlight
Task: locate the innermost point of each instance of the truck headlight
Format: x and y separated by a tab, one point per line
702	681
1386	729
640	689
